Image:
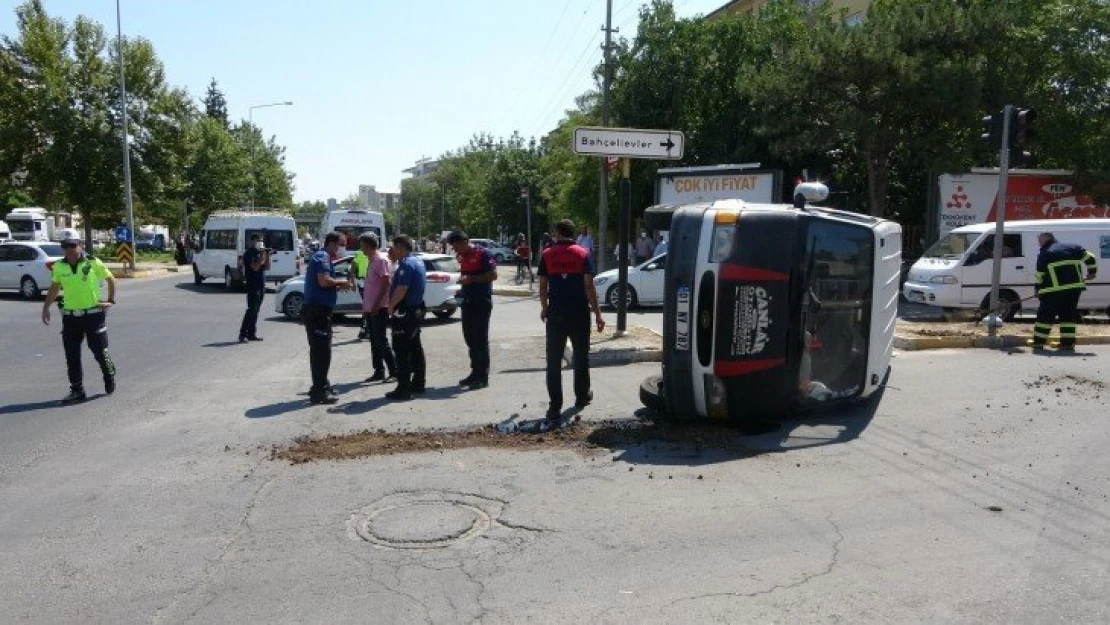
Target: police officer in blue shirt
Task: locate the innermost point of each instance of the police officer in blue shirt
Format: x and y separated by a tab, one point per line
320	287
406	296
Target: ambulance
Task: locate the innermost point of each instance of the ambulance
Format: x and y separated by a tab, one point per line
773	309
352	223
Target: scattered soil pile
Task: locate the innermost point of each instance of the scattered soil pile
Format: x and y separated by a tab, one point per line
1072	384
1090	327
618	434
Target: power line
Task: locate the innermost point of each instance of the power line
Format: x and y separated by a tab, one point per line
561	90
513	111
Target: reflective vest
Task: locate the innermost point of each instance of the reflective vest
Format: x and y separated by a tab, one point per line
80	287
361	262
1060	267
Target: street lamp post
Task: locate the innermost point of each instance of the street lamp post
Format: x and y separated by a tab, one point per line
250	122
126	141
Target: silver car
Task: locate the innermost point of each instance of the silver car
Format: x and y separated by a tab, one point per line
27	266
440	293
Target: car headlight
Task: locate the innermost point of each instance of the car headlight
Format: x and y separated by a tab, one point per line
944	280
716	397
601	281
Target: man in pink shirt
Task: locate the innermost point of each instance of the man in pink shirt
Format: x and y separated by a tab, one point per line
375	300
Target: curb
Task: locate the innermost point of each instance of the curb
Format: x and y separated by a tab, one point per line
982	342
513	291
142	273
625	356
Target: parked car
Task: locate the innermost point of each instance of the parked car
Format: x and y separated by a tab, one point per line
440	295
27	266
645	284
499	252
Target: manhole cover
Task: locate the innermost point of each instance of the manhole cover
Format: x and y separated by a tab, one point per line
424	520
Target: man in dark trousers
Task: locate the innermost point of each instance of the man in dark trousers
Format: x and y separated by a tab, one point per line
478	270
375	302
567	296
256	262
83	314
1060	269
320	287
406	296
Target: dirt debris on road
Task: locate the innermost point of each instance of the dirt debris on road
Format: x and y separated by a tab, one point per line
614	434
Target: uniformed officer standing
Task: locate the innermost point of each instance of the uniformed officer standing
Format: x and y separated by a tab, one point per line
320	287
1059	285
256	262
406	296
359	265
478	270
567	296
83	314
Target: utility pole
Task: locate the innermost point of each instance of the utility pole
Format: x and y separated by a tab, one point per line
126	144
994	321
603	181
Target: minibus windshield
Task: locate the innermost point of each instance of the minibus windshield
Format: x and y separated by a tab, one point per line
951	245
836	311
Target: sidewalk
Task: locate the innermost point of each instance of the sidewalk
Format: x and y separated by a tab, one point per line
506	283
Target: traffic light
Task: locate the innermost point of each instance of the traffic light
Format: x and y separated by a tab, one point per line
993	126
1021	132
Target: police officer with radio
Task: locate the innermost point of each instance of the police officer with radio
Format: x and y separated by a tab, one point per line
1059	284
567	296
320	287
479	271
83	314
256	262
406	296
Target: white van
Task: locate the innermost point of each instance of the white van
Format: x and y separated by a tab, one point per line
5	231
353	223
225	235
956	271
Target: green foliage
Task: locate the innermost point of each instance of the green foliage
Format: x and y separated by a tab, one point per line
61	130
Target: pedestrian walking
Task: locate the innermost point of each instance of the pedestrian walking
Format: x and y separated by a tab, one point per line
406	296
479	270
375	305
256	262
644	248
567	296
320	287
1059	283
586	241
84	314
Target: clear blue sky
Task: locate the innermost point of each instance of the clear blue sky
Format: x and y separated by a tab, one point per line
375	84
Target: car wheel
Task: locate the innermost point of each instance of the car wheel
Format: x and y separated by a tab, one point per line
292	306
444	314
197	278
612	298
1009	304
29	288
651	394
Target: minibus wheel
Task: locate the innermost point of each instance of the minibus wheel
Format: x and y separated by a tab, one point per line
1009	304
651	394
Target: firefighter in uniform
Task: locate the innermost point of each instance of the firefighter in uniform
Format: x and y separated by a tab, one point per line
1060	269
567	296
479	271
83	314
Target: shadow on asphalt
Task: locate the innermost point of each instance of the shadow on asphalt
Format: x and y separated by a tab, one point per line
702	443
221	344
437	393
215	289
42	405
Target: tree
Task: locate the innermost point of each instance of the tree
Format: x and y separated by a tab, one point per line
215	105
271	185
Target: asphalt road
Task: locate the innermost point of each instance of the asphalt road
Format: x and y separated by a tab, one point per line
974	489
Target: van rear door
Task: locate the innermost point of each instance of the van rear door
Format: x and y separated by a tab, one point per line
283	263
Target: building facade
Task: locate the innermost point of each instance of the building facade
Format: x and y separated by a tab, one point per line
422	168
854	10
370	198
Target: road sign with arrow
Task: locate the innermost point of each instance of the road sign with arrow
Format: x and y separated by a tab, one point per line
629	142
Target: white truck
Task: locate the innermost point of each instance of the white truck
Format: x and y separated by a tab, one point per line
31	224
353	222
5	231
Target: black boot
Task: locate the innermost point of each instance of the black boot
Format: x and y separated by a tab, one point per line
76	394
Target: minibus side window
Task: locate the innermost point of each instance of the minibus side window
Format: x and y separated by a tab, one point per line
836	314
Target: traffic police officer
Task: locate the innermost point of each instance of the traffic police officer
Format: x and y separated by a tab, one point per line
567	296
320	288
1059	284
83	314
359	265
406	296
478	270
